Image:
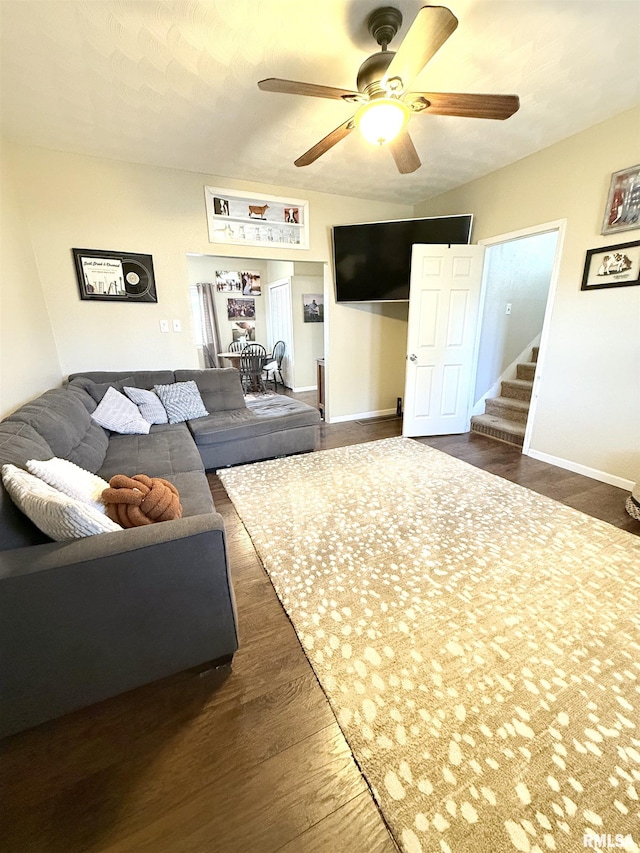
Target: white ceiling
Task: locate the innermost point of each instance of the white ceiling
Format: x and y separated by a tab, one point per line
173	83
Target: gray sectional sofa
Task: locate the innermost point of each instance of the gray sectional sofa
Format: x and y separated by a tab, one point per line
86	619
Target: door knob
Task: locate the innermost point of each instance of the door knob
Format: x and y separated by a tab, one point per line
413	357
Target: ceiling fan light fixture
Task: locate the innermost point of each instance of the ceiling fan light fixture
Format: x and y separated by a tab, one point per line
382	119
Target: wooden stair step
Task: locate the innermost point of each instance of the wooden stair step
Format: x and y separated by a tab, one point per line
509	408
519	389
501	429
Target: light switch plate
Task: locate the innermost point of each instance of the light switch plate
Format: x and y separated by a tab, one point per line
164	325
177	326
508	311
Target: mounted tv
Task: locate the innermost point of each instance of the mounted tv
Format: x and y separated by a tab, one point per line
372	261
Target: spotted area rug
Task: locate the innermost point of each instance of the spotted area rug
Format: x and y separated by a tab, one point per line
478	643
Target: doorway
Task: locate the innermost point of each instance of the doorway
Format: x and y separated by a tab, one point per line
518	289
457	357
281	325
233	284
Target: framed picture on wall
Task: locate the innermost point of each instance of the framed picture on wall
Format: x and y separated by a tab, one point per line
243	330
612	266
228	281
313	307
622	212
107	276
241	309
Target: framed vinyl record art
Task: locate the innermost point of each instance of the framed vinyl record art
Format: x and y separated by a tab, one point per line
115	276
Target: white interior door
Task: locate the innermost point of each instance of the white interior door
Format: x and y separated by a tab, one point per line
441	339
281	324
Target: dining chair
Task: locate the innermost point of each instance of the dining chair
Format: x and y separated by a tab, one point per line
252	359
236	346
274	365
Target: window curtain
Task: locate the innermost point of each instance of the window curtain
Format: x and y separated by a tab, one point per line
210	334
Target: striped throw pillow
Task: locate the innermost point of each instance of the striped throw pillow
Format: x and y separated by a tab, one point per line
58	516
117	413
182	401
148	403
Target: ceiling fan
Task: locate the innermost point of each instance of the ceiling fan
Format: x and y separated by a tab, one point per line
383	82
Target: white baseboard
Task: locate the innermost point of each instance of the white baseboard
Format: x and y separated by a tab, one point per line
593	473
305	388
361	416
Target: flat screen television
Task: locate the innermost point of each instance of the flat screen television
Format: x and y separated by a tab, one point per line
372	261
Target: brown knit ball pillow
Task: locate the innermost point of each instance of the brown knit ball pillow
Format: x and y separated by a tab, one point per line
134	501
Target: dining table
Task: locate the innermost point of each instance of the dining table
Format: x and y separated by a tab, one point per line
234	358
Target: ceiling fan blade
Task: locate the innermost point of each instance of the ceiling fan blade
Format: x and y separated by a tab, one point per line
404	153
292	87
325	144
432	27
471	106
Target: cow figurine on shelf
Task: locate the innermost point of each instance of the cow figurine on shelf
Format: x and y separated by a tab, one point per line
258	210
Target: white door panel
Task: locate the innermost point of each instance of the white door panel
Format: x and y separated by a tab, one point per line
281	324
443	311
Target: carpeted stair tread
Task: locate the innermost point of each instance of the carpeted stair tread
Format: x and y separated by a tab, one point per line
500	428
526	370
508	407
519	389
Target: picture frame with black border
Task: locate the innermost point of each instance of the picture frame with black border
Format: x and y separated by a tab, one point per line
612	266
109	276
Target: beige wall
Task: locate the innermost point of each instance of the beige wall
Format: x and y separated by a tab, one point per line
73	201
308	337
589	405
28	357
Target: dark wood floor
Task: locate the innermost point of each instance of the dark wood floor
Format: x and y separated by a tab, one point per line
250	761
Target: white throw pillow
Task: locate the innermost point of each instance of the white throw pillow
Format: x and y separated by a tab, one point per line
117	413
148	403
71	480
182	401
57	515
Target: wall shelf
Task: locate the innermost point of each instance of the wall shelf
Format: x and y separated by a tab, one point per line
275	221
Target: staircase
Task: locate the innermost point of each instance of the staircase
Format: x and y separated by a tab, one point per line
505	417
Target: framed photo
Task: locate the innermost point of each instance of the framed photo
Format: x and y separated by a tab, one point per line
114	276
622	212
251	283
244	330
313	307
612	266
228	281
241	309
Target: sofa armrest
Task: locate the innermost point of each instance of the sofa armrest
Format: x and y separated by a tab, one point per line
52	555
85	620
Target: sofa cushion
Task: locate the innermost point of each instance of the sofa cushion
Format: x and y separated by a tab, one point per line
182	401
18	443
220	388
142	378
63	421
194	491
260	417
168	449
97	390
57	515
